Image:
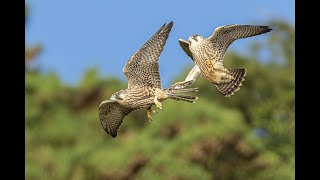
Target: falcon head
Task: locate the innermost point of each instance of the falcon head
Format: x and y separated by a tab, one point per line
119	96
194	39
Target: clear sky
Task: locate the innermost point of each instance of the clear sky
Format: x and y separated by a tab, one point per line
79	34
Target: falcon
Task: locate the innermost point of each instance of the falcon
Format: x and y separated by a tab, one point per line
208	55
144	85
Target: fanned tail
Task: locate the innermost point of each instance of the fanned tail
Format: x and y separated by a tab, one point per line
230	88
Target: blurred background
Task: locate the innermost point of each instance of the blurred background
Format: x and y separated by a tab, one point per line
74	55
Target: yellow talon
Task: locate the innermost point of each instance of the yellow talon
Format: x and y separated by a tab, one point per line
178	85
158	104
149	111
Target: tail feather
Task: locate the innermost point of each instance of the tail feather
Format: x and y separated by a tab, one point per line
175	94
230	88
181	97
186	90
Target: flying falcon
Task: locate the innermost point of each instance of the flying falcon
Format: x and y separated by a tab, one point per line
144	85
208	54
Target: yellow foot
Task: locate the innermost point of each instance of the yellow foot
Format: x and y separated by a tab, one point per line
158	104
149	112
178	85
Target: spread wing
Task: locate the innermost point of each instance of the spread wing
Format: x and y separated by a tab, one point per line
223	36
185	46
142	69
111	115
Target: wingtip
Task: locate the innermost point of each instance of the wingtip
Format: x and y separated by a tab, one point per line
267	28
170	24
113	135
264	28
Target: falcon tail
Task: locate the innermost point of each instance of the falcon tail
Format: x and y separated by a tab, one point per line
175	94
230	88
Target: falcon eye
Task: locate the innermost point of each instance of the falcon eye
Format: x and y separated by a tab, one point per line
195	38
114	97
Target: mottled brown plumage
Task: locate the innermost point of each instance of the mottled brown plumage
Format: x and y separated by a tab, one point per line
208	55
144	85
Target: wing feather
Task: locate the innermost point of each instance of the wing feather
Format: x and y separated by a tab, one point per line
225	35
142	69
111	115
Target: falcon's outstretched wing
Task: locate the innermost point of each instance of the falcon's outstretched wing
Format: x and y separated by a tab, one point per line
111	115
142	69
223	36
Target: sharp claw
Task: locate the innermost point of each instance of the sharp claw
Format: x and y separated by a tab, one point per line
149	111
154	111
150	118
189	83
157	103
176	85
180	85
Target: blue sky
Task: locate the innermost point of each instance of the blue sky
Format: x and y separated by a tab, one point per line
81	34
